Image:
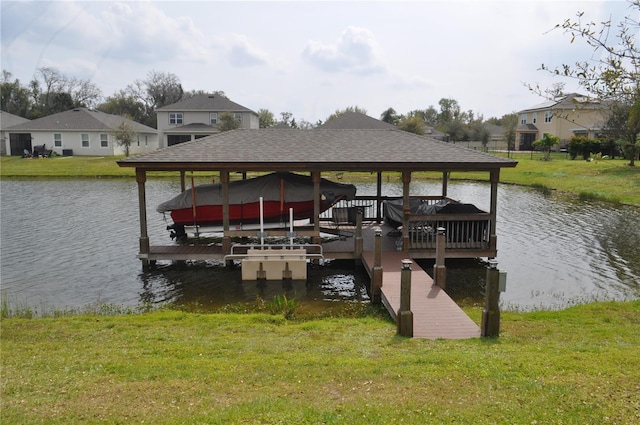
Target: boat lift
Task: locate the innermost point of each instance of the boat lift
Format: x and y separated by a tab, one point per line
274	261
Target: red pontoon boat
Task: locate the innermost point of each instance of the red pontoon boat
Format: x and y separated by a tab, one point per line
279	191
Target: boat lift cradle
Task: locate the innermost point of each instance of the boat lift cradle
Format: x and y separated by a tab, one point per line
274	261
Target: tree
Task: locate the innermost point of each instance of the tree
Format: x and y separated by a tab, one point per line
265	118
449	110
480	132
84	92
286	118
227	122
611	73
623	125
455	129
413	124
14	98
123	104
510	122
546	143
52	92
389	116
124	136
340	112
193	93
431	116
305	125
158	90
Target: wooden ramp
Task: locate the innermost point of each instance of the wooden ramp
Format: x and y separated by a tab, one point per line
435	314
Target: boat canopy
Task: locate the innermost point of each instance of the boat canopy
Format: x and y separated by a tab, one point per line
280	186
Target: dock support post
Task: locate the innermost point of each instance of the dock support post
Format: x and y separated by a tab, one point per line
495	179
491	312
226	239
145	249
405	316
358	238
406	182
439	269
376	276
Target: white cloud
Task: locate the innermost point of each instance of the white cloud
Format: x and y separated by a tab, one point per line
355	51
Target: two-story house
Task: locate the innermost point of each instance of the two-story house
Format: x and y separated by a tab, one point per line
571	115
197	117
80	131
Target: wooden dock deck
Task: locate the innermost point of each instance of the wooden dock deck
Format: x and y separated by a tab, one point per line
435	314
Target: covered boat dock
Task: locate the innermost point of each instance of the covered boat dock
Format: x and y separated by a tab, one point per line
332	151
328	153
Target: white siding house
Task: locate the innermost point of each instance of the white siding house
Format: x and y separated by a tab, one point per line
198	116
81	131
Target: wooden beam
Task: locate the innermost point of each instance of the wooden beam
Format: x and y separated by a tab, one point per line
315	176
495	178
141	178
406	182
226	240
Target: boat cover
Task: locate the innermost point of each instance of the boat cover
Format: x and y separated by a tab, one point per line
297	188
393	210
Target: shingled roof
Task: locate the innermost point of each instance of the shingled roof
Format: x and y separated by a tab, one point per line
81	119
205	102
355	120
319	149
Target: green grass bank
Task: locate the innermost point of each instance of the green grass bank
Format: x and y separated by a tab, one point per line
577	366
608	180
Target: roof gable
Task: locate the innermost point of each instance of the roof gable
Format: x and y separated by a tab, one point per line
81	119
205	102
355	120
8	120
568	101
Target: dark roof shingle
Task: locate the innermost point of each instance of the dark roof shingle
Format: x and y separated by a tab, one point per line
205	102
355	120
81	119
321	149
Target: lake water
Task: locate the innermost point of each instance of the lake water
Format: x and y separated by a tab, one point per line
70	244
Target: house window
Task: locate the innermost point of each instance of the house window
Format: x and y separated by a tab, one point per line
175	117
104	140
84	137
146	140
535	117
138	140
57	140
213	118
238	116
547	116
523	119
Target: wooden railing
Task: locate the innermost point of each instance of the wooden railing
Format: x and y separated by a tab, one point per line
369	207
462	231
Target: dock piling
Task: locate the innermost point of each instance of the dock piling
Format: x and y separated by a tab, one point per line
376	278
439	269
491	312
405	316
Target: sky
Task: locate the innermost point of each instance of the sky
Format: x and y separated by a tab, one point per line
309	58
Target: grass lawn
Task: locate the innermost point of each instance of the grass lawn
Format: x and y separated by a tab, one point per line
577	366
608	180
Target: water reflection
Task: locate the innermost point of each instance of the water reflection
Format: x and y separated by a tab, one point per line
211	285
